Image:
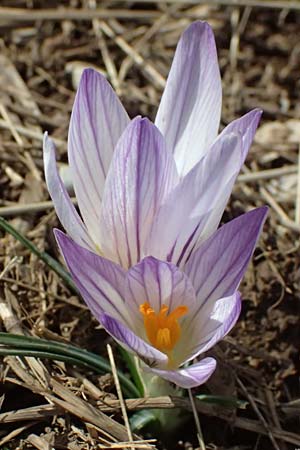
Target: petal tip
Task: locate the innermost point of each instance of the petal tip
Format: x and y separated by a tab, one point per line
48	144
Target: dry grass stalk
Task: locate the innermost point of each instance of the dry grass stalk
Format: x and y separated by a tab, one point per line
37	68
119	391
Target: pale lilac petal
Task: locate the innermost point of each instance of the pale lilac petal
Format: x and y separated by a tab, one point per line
141	175
97	122
158	283
99	280
212	220
190	108
208	326
190	377
197	201
128	339
64	208
246	126
218	265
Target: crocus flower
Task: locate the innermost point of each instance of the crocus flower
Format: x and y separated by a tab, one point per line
166	315
146	257
148	189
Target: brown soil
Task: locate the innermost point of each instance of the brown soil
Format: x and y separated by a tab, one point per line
43	51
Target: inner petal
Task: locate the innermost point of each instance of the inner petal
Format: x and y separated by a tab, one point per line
162	329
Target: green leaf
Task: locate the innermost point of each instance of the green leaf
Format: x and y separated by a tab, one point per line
132	365
51	262
142	419
221	400
11	344
65	276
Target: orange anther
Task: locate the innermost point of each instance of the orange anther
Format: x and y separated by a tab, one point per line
163	329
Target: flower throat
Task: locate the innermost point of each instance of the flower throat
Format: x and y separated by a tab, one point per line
163	329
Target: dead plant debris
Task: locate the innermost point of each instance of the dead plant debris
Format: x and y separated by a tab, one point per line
44	48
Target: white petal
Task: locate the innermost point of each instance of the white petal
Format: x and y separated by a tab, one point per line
189	112
190	377
218	265
100	281
98	120
64	208
141	174
195	203
133	343
157	283
208	325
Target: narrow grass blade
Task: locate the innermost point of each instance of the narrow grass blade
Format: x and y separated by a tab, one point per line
133	370
221	400
65	276
11	344
143	419
51	262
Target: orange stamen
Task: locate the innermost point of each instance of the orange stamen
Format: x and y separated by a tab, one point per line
163	329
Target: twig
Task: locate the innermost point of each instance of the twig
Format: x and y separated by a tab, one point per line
108	62
15	210
119	391
197	421
39	442
136	444
251	177
30	133
258	413
297	211
51	262
283	217
152	74
10	125
15	433
180	402
31	15
254	3
267	174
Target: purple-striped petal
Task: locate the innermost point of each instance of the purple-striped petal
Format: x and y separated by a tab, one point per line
190	377
64	208
142	173
158	283
209	325
128	339
100	281
218	265
97	122
196	202
246	126
189	111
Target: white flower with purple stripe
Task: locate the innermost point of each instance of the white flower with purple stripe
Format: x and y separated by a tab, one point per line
147	189
146	254
166	315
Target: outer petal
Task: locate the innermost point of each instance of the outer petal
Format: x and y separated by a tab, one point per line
246	126
141	174
200	199
218	265
159	283
98	120
99	280
189	112
128	339
64	208
209	325
190	377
